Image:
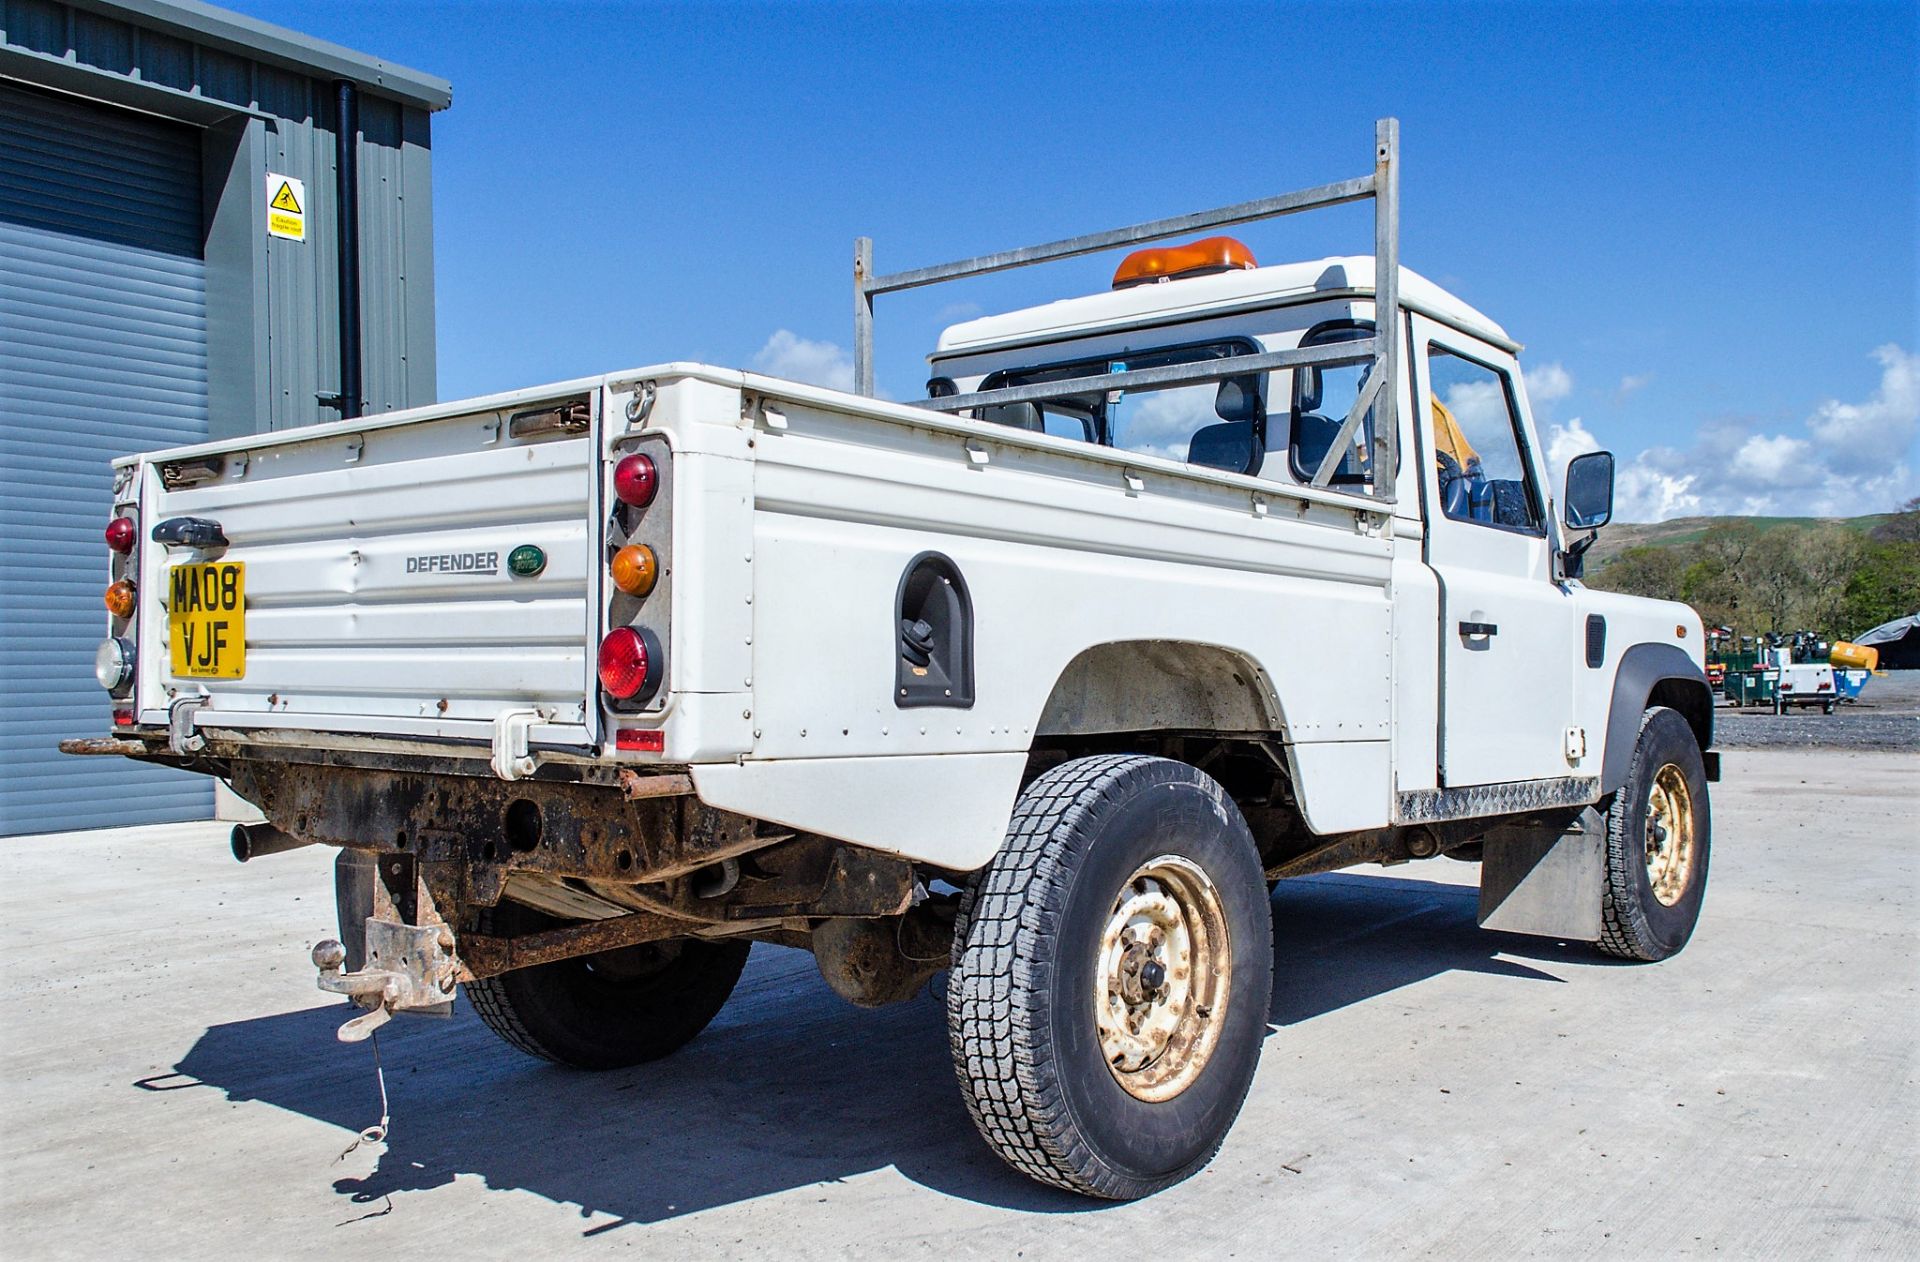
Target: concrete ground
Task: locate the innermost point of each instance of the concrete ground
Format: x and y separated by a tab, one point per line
172	1088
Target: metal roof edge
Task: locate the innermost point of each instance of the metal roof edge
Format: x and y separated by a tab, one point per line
263	41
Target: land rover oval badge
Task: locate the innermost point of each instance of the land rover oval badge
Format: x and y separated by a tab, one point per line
525	561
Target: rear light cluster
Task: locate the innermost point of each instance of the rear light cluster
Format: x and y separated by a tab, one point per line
632	660
113	662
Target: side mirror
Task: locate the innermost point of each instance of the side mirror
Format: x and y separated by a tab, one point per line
1588	502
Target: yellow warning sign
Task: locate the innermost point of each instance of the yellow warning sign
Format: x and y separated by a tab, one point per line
286	207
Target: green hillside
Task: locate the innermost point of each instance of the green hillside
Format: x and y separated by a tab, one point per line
1835	575
1680	531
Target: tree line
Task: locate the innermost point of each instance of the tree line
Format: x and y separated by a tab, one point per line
1826	578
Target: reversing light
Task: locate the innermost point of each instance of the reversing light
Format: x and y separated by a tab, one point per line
1170	262
634	569
113	663
121	532
630	664
635	480
119	599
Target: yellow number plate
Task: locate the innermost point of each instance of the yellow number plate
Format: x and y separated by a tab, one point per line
207	619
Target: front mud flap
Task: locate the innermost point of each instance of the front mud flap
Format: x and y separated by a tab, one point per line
1546	883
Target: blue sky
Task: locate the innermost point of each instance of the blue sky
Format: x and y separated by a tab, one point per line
1701	219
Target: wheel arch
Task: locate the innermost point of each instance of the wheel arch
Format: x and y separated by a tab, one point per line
1160	685
1653	675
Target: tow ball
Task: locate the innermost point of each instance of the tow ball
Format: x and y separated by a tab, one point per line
410	968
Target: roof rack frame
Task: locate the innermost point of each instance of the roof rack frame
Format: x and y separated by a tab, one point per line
1382	188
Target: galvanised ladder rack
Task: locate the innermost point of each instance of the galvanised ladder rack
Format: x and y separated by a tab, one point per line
1383	187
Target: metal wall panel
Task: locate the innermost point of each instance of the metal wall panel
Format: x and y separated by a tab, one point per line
112	47
102	352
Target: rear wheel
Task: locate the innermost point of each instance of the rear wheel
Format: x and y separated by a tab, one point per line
1659	839
1112	972
609	1010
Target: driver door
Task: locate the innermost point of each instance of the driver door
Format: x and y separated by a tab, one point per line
1507	641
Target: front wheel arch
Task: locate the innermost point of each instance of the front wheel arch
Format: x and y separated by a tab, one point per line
1652	675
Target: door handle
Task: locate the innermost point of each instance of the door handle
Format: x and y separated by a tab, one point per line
1475	630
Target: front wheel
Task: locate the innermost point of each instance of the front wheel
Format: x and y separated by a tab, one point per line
1112	973
1659	837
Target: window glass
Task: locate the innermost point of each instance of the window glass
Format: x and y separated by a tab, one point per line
1322	398
1217	423
1477	445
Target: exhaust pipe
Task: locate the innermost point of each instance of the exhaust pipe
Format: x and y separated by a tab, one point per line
250	841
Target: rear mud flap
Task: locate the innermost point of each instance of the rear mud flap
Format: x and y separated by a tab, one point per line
1548	884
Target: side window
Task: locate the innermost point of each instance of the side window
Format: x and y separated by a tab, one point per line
1477	444
1322	398
1218	424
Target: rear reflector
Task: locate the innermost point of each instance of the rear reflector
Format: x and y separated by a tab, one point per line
644	740
123	718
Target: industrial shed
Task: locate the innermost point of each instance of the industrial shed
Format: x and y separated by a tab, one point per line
174	266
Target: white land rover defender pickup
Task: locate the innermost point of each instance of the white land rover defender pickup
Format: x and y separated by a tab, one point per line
1228	575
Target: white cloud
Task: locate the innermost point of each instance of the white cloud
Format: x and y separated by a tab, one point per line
1854	458
1630	384
1862	434
1162	422
1548	383
796	358
1564	442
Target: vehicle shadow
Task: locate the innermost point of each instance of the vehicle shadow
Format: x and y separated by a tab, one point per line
789	1087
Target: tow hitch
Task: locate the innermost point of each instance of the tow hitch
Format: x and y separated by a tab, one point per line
409	968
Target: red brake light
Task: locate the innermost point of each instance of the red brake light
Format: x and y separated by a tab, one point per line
120	533
635	480
629	664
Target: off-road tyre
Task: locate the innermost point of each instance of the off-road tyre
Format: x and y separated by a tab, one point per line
1028	952
1636	924
610	1010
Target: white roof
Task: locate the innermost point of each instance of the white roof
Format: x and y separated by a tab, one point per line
1219	293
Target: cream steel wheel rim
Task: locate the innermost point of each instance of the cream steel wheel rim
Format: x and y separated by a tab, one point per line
1165	970
1670	834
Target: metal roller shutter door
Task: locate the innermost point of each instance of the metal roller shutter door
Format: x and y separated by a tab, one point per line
102	352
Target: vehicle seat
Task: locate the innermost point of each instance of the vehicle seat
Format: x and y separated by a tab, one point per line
1228	445
1017	415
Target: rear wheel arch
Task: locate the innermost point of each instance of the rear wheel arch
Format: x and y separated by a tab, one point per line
1160	685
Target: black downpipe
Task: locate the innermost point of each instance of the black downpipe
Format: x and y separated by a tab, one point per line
346	167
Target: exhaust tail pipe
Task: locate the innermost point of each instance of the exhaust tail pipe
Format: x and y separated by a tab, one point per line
250	841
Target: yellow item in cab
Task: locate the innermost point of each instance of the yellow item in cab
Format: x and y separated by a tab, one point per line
1448	438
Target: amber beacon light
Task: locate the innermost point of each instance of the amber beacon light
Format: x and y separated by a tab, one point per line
1173	262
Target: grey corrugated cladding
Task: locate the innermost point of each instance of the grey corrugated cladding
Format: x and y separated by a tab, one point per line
168	269
102	346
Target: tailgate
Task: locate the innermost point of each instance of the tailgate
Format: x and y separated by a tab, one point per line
378	590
